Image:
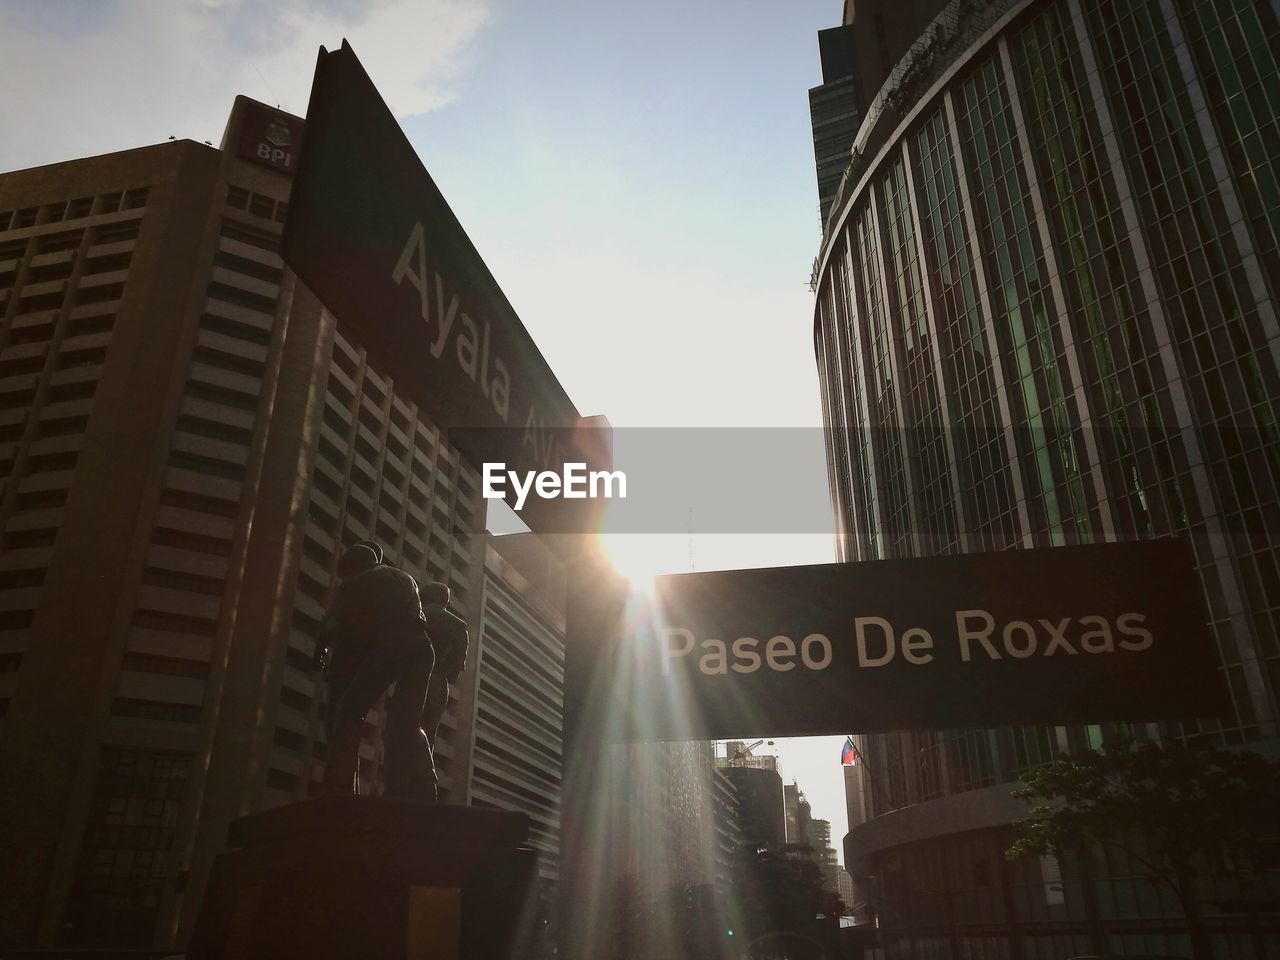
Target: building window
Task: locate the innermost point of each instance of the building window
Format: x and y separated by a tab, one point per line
124	859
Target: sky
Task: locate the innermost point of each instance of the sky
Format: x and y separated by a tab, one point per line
638	177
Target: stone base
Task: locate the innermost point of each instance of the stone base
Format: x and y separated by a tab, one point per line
369	878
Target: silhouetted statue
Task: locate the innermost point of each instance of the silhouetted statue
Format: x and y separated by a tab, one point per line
373	635
448	634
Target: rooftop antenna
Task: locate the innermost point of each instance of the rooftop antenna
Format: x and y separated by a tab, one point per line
264	80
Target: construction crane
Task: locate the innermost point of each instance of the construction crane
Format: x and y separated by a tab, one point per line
743	753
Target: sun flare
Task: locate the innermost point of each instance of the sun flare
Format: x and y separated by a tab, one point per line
641	557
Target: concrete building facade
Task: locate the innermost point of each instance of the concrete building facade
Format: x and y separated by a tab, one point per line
518	700
188	441
727	821
845	883
664	829
791	806
882	32
762	805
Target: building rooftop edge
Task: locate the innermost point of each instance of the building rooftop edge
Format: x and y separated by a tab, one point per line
177	143
963	44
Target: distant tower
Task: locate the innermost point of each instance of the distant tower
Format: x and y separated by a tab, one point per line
758	784
835	111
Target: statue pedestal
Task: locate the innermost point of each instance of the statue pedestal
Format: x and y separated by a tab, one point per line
369	878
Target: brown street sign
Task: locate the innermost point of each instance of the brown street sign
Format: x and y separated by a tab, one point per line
1107	632
371	235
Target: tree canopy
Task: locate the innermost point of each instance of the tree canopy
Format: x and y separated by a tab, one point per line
1190	804
1180	812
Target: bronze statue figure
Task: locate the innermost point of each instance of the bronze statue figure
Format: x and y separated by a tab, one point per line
448	634
374	634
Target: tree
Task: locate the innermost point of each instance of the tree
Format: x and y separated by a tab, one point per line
1179	812
782	896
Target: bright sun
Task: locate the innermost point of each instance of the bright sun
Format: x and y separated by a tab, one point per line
642	556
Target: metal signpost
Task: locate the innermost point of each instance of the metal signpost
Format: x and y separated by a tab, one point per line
1073	634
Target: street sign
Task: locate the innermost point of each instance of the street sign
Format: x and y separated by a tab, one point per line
1107	632
371	235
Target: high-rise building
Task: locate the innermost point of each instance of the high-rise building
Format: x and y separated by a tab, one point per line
518	696
663	823
187	443
835	110
727	822
845	883
791	808
1047	314
816	836
757	782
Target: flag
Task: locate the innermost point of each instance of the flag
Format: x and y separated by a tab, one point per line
849	755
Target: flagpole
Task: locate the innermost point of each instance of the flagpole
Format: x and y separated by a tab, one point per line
861	757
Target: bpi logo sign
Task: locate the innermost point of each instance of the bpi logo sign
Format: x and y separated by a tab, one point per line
268	136
276	142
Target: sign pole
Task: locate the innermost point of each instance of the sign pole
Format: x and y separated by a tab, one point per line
593	635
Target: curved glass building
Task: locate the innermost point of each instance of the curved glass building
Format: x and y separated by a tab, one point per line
1047	314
